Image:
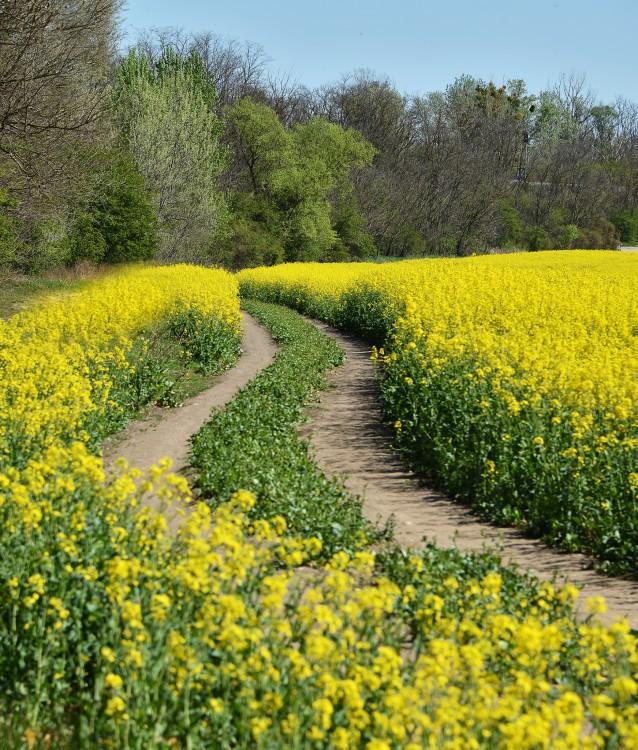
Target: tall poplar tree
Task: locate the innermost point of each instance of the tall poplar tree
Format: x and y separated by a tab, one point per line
167	118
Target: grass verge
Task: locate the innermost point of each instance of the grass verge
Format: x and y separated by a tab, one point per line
254	443
17	292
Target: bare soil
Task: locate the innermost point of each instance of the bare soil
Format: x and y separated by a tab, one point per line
167	432
350	440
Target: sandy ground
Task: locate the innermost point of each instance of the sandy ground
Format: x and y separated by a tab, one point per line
167	432
348	439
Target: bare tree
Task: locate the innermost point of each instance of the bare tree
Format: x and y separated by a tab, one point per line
54	77
236	69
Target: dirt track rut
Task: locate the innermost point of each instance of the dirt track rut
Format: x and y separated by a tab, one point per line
349	439
167	432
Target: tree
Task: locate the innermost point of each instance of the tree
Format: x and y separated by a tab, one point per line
118	223
235	69
168	121
54	100
293	178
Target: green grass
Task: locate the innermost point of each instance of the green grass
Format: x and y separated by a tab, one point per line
16	292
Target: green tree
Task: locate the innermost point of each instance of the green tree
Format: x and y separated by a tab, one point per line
168	121
119	223
626	222
298	174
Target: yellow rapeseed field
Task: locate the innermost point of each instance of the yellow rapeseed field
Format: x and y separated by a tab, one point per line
61	360
510	379
116	633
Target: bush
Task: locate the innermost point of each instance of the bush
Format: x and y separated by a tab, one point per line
600	235
124	215
48	247
626	223
354	240
250	244
538	239
86	241
510	233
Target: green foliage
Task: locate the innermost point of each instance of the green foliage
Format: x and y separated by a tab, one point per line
168	121
510	230
447	437
165	365
350	226
261	143
204	340
48	247
113	222
154	375
568	236
299	182
562	232
626	222
254	443
600	234
124	215
165	359
252	238
538	239
116	222
250	244
518	591
307	229
8	243
86	241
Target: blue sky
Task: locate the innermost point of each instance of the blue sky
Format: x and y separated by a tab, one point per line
423	46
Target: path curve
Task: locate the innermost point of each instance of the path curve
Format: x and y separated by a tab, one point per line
349	439
167	432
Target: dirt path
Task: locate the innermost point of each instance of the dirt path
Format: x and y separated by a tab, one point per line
167	432
349	439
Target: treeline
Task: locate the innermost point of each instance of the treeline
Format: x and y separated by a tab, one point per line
189	148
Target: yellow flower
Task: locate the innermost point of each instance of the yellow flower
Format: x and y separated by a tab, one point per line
217	705
113	681
115	706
